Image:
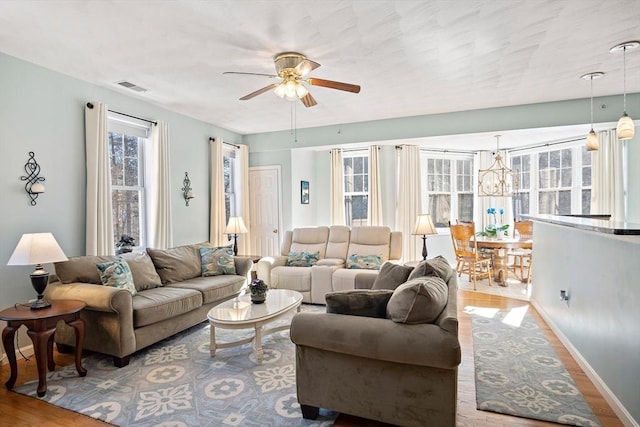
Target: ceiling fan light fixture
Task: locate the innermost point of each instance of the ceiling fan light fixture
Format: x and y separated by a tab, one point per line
626	128
301	91
279	90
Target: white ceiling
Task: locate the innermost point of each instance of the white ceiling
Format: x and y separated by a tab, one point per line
411	57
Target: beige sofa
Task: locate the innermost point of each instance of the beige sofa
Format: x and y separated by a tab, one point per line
377	368
172	295
334	246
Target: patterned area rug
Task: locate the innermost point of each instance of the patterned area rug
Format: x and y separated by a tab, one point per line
177	383
518	372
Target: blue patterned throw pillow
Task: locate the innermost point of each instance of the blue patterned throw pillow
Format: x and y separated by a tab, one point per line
117	274
365	262
217	261
302	259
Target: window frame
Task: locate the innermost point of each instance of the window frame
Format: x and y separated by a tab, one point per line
348	195
454	177
576	187
139	129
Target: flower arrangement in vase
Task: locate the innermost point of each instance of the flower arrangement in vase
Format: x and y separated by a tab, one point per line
495	229
258	291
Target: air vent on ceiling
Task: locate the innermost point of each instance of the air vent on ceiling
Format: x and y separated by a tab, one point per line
131	86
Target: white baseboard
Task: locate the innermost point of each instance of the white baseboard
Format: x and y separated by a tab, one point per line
27	350
608	395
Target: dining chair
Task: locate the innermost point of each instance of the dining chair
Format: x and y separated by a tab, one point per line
522	258
469	260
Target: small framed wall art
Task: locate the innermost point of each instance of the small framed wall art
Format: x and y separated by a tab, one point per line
304	192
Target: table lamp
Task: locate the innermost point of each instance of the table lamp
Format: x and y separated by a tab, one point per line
37	249
235	226
424	226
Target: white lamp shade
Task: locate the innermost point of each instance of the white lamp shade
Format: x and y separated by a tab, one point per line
592	141
625	129
37	248
236	226
424	225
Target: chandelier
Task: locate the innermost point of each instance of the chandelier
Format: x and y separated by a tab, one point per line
498	180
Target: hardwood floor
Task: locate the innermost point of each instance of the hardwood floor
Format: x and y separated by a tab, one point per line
21	411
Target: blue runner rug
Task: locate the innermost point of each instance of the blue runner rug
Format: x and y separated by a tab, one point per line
177	383
518	373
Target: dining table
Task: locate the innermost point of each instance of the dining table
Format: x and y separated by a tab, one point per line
500	253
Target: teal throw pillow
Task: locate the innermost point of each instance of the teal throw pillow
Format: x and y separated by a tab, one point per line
117	274
365	262
217	261
302	259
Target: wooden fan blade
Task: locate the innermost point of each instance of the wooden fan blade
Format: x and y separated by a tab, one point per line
308	100
259	91
249	74
305	67
334	85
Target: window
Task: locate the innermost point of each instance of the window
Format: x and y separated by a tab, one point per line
126	153
563	184
356	188
229	173
522	166
448	187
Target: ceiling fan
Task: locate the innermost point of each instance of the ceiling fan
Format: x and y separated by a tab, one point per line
292	69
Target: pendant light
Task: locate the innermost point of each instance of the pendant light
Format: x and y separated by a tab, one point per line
592	138
625	129
498	180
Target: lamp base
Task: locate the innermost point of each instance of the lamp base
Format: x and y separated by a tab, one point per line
39	281
424	247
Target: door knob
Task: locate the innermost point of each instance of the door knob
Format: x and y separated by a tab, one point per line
275	231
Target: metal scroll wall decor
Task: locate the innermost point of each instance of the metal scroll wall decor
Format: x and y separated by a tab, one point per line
186	189
33	185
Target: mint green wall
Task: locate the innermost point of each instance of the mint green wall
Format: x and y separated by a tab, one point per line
43	111
277	147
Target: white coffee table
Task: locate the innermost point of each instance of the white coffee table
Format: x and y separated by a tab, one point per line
241	313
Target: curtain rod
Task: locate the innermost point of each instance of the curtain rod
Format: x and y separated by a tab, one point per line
90	105
546	144
224	142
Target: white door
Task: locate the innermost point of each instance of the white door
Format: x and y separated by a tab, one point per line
264	190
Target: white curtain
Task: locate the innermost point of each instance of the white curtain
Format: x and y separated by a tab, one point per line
158	194
607	185
486	159
409	198
217	216
99	227
337	188
244	243
375	197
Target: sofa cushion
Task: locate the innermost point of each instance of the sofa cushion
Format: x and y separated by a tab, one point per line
366	262
217	261
293	278
213	288
177	264
391	276
418	301
360	302
438	267
302	259
81	269
142	269
117	274
154	305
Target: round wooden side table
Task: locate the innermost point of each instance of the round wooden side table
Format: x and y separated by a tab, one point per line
41	325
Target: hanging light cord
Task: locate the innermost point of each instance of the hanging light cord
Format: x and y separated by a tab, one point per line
624	78
591	79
